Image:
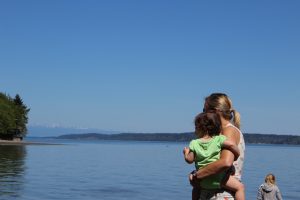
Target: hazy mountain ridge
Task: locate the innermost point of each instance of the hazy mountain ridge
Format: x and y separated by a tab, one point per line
250	138
98	134
53	131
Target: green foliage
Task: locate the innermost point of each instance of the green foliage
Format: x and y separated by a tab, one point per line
13	117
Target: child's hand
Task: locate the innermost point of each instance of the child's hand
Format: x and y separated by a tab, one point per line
189	156
186	150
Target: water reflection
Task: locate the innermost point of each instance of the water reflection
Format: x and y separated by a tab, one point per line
12	168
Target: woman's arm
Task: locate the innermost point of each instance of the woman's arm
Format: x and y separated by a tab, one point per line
225	161
227	144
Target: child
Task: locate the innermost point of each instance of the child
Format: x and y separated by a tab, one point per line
269	189
207	149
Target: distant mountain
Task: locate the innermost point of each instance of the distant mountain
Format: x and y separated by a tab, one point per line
48	131
182	137
131	136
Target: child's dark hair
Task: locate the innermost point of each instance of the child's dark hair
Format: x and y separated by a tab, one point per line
207	124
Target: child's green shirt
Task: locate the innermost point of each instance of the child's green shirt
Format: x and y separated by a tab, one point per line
207	152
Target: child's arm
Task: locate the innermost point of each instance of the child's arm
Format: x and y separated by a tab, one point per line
188	155
259	193
228	144
278	194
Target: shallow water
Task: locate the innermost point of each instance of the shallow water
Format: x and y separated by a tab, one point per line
111	170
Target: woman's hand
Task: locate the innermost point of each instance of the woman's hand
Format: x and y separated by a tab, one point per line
191	178
194	181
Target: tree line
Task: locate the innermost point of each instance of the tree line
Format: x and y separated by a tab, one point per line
183	137
13	117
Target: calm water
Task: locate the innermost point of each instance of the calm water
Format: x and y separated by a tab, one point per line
110	170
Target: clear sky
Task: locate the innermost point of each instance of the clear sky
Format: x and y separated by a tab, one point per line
146	66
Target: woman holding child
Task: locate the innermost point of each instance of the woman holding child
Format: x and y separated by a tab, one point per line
221	104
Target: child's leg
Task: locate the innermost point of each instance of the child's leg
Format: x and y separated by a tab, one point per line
195	183
236	186
195	193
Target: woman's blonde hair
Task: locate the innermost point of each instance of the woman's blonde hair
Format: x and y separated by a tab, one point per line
270	179
222	103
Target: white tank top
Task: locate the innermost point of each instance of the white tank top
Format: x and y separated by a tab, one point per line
239	163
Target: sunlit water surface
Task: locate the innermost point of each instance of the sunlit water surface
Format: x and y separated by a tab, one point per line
110	170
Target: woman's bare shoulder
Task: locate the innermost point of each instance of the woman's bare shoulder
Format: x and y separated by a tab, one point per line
231	133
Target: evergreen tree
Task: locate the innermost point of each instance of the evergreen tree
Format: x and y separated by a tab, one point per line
13	117
21	112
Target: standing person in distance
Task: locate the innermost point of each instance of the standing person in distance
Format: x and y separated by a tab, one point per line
269	190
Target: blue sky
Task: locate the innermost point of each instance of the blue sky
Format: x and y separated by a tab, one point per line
146	66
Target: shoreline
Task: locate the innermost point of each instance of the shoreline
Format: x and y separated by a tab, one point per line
11	142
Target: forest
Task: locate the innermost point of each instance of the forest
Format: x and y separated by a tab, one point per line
183	137
13	117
